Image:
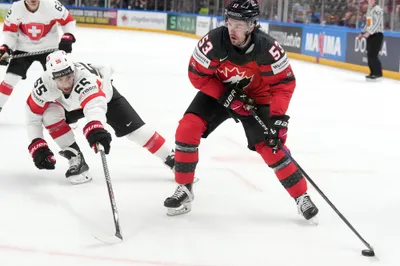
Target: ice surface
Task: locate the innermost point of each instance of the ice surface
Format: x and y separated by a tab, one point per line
343	131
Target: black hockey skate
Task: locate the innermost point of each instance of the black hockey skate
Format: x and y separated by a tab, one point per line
180	201
78	171
170	160
307	208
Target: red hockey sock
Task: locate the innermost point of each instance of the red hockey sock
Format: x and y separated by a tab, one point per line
187	139
290	177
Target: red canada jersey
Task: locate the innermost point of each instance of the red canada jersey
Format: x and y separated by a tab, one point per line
262	69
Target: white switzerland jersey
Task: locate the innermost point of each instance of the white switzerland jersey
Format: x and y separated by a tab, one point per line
29	32
92	90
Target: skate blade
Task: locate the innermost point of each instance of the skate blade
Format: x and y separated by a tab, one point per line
110	240
80	179
313	221
185	208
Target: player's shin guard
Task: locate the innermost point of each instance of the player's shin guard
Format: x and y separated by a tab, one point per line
6	87
78	171
186	159
5	92
188	135
154	143
62	133
187	140
291	179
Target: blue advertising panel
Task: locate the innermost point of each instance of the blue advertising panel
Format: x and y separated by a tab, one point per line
324	43
389	54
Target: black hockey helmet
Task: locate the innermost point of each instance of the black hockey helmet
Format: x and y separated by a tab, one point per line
247	10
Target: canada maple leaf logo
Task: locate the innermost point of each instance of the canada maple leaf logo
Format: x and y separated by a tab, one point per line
234	75
244	82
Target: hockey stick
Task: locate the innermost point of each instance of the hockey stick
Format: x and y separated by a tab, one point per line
118	234
367	252
9	57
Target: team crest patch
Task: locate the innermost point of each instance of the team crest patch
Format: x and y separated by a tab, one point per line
34	31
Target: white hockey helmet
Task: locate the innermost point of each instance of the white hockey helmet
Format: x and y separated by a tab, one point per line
58	64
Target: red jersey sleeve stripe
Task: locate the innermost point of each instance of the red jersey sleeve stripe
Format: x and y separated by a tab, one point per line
100	93
194	71
35	108
10	28
284	81
67	20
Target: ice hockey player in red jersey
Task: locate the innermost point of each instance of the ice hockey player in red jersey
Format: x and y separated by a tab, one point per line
32	26
67	92
237	67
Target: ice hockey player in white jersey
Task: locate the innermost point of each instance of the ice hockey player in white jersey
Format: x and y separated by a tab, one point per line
32	26
69	91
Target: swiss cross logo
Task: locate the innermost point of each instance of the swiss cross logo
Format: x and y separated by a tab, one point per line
34	31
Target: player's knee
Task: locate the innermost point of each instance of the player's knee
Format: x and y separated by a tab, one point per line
54	121
190	129
52	115
268	155
61	132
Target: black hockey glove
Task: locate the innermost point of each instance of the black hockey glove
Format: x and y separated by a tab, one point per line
96	134
42	156
235	98
276	126
66	42
5	53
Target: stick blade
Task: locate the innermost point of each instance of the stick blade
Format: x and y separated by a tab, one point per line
110	240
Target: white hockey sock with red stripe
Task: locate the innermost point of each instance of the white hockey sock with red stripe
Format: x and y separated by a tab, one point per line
61	133
149	139
7	86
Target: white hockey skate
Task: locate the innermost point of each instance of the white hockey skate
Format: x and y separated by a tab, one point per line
78	171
